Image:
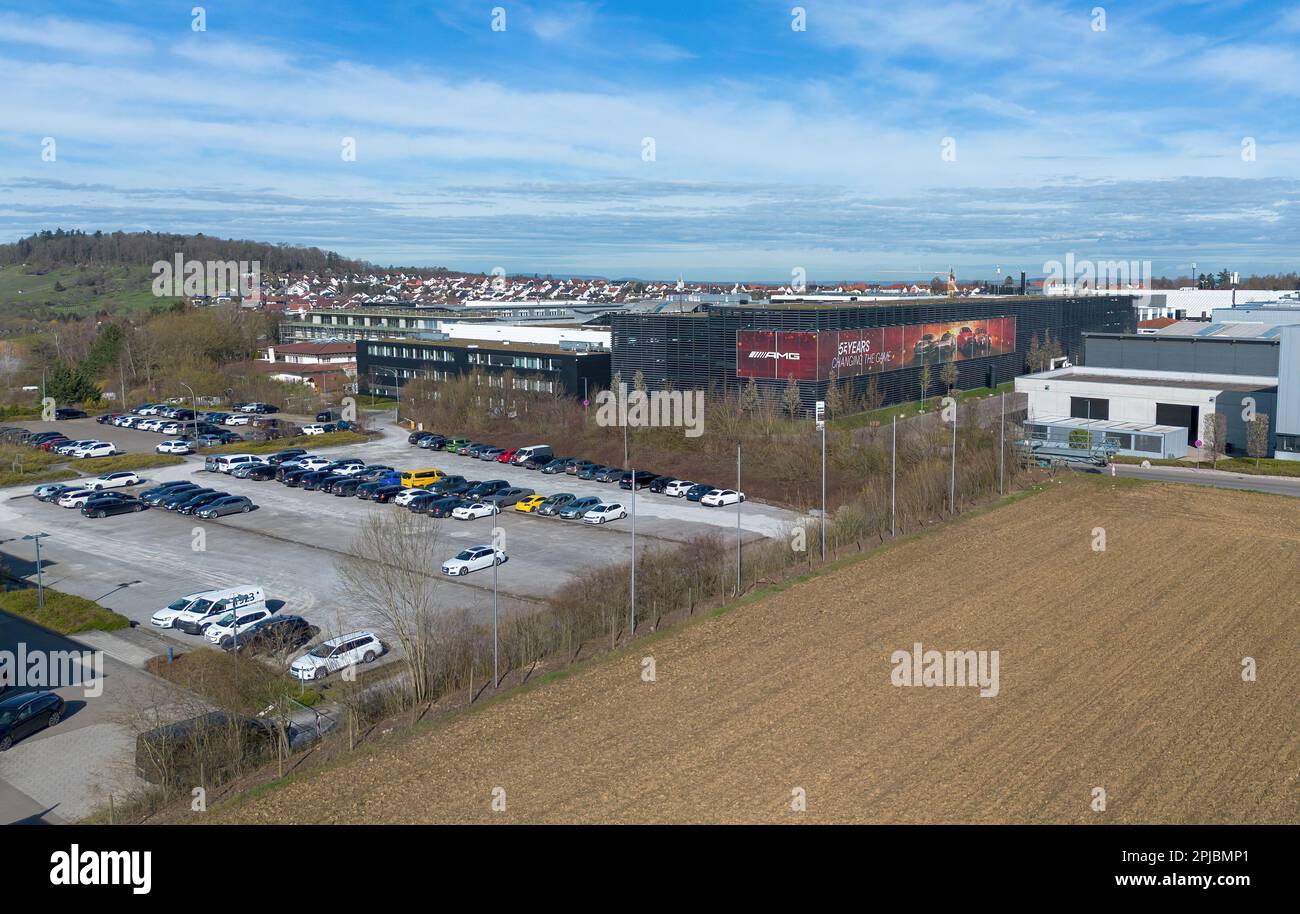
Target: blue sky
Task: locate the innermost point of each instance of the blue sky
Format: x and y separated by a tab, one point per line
774	149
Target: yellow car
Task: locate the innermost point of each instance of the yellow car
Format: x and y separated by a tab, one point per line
421	479
529	505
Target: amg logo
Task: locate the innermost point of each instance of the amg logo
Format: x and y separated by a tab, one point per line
789	356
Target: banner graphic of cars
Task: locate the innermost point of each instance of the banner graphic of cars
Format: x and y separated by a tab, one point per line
811	355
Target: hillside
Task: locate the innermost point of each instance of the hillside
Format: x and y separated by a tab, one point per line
1119	669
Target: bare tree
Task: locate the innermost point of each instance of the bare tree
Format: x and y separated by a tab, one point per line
392	576
949	373
1257	437
1214	433
925	383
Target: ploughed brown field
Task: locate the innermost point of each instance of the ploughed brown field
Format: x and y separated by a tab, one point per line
1118	669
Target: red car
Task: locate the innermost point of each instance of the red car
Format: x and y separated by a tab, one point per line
507	455
972	340
52	443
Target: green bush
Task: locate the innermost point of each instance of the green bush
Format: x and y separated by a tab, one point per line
63	612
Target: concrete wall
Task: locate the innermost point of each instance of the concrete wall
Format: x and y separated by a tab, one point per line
1288	388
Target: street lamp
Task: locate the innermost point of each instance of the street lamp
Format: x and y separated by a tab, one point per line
194	403
40	578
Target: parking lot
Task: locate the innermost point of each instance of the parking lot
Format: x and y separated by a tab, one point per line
291	545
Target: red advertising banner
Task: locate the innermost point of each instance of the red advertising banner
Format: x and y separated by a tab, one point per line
809	355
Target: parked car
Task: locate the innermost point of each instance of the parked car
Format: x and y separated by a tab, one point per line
75	498
192	505
643	479
337	653
157	494
260	472
238	419
507	455
385	493
174	446
475	558
431	442
578	507
486	488
227	629
445	483
609	474
174	500
26	713
558	465
345	487
491	453
272	635
720	497
99	449
419	504
698	491
475	510
66	412
403	498
551	506
600	514
319	428
114	480
504	498
577	467
67	447
443	506
280	457
112	503
51	491
678	488
108	418
231	504
659	483
590	470
530	504
453	445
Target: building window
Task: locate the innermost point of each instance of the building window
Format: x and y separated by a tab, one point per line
1089	408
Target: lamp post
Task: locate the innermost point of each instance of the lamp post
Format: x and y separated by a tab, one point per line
194	403
632	599
496	676
40	577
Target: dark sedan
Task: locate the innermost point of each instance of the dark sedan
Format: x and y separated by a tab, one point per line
643	479
384	494
280	457
442	507
345	487
590	470
558	465
194	505
419	504
26	713
695	493
659	483
176	499
609	474
106	505
158	494
261	472
274	635
552	505
231	504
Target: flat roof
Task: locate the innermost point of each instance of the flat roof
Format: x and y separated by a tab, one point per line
1157	381
1108	425
492	345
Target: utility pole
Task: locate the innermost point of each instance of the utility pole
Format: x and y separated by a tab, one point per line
952	471
821	427
1002	445
893	479
40	577
496	675
738	520
632	603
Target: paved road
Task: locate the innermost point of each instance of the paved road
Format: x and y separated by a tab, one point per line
1278	485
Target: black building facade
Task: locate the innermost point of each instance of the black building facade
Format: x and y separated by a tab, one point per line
384	366
699	350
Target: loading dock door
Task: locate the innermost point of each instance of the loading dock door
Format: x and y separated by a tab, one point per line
1178	415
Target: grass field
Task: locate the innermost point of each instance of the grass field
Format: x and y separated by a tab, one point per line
1265	466
127	288
1119	669
63	612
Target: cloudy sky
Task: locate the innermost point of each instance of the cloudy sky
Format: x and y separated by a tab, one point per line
711	140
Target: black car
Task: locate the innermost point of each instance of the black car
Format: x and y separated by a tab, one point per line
273	635
659	483
160	493
412	438
643	479
384	494
696	492
558	465
329	415
280	457
442	507
106	505
261	472
293	477
26	713
176	499
590	470
66	412
486	488
200	501
327	484
431	442
419	504
446	484
345	487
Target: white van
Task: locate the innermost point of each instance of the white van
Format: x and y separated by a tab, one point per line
206	610
227	462
166	617
540	451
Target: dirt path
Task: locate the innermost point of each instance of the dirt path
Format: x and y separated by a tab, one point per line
1118	669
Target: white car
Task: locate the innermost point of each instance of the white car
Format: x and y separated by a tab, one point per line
404	497
602	513
719	497
239	419
98	449
152	410
335	654
76	498
353	468
474	558
149	425
477	509
126	421
172	428
313	429
175	446
678	488
236	623
114	481
312	464
70	446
